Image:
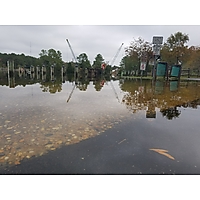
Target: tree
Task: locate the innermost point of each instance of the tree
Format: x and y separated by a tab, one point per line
177	40
43	53
129	63
83	61
70	68
51	57
192	59
176	45
98	61
20	60
139	50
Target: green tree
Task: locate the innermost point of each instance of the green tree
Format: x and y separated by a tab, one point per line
192	58
177	40
139	50
43	53
70	68
19	59
129	63
175	46
83	61
98	61
51	57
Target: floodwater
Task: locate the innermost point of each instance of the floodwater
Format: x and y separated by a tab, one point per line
98	126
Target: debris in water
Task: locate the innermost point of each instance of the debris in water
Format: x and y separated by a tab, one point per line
163	152
122	141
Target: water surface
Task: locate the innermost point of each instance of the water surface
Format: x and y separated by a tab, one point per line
39	115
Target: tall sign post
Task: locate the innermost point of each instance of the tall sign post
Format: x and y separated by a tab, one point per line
157	43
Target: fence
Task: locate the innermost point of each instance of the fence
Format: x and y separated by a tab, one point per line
190	72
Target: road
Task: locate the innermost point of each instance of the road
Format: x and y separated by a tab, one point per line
124	149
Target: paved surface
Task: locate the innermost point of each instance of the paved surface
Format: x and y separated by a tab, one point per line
123	149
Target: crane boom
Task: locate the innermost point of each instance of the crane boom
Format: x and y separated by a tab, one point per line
71	50
116	54
70	95
111	66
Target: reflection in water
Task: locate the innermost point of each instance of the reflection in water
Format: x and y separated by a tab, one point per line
171	113
34	122
50	81
166	96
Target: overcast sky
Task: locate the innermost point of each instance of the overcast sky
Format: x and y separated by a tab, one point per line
22	34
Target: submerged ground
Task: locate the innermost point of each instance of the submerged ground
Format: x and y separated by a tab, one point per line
99	127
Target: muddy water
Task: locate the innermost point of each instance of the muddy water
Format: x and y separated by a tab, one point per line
37	117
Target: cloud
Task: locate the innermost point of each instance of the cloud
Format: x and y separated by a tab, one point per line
89	39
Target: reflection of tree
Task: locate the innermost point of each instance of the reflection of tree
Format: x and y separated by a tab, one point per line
83	84
192	104
144	96
133	102
170	113
51	87
98	84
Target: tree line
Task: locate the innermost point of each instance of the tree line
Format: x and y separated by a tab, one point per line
173	51
51	57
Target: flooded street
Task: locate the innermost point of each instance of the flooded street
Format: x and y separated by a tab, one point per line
99	126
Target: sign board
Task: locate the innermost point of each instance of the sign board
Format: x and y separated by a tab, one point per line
103	65
143	66
157	40
156	50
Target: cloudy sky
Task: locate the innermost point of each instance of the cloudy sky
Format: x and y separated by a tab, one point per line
30	32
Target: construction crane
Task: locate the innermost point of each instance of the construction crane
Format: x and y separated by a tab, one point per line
111	66
116	55
71	50
74	71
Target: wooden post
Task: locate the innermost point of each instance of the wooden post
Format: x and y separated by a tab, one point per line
8	64
37	71
154	68
13	76
52	73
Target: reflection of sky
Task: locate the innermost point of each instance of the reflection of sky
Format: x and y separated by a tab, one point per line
33	122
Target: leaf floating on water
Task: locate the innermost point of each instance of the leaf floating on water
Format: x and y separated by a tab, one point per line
168	155
159	150
17	162
163	152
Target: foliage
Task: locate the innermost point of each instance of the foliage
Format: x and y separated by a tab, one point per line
139	50
174	50
83	61
107	70
70	68
192	58
98	61
51	57
177	40
129	63
19	60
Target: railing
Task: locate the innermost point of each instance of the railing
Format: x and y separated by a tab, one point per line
190	72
